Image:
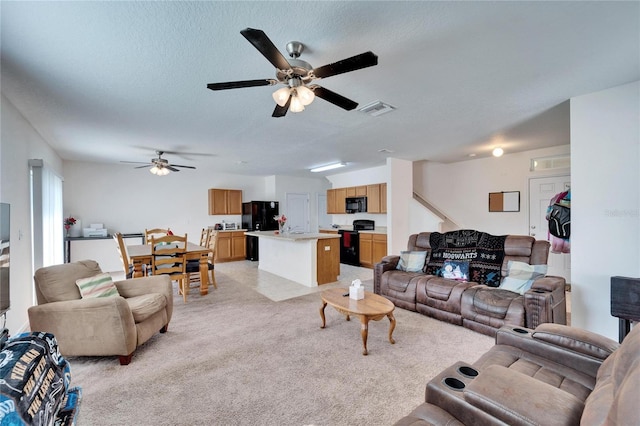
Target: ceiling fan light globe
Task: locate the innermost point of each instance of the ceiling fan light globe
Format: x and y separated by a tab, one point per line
281	96
296	104
305	95
154	170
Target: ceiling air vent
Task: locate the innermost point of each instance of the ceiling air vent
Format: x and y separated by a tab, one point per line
376	108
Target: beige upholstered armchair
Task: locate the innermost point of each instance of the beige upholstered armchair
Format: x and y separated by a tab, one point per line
99	326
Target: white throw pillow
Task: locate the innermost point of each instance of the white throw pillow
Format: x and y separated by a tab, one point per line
520	276
412	261
97	286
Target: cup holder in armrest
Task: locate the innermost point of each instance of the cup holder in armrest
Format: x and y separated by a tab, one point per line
467	371
454	383
520	330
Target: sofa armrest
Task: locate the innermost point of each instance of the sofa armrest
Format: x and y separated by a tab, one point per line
76	323
576	339
578	349
518	399
387	263
145	285
545	301
549	283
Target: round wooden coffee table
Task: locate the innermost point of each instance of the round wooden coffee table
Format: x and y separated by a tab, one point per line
372	307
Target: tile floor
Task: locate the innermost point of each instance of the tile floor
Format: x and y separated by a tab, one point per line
277	288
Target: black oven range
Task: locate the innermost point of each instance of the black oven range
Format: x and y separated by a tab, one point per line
350	241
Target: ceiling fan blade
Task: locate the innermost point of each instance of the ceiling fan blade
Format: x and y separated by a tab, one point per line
260	41
142	167
334	98
241	84
186	167
173	169
363	60
281	111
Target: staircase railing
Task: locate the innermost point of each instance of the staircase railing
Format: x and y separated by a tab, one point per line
447	223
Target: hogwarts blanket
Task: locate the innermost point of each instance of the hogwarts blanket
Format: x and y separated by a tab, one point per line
484	252
34	383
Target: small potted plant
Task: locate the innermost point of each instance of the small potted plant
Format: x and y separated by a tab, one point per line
68	223
282	220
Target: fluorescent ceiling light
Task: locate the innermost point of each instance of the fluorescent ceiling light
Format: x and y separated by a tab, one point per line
328	167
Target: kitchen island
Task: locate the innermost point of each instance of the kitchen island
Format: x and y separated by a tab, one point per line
309	259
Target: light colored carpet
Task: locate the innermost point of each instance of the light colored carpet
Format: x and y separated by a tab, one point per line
235	357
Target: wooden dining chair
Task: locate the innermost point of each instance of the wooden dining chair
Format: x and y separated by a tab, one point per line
168	257
124	255
193	266
155	232
205	234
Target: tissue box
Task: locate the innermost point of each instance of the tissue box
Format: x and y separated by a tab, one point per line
356	293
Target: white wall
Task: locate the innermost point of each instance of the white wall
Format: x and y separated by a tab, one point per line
422	219
126	199
288	184
19	142
461	190
605	205
399	198
129	200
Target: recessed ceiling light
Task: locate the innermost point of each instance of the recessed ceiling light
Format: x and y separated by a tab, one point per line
472	155
328	167
498	152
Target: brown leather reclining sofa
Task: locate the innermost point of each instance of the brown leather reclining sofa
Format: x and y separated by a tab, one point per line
553	375
478	307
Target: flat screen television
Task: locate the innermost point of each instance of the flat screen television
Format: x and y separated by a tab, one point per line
5	232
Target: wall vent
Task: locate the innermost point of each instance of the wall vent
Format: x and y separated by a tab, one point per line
376	108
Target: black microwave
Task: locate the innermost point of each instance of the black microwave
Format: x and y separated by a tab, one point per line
356	205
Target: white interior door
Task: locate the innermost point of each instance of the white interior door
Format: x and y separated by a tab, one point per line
541	190
298	212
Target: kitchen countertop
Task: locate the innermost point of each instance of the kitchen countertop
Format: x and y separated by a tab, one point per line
292	236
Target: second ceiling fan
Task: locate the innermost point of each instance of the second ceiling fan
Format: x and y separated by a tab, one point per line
297	75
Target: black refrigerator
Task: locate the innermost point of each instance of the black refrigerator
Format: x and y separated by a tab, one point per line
258	216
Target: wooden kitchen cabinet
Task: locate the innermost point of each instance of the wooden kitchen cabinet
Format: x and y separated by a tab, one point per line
238	245
379	248
234	201
331	201
373	247
366	250
383	198
376	198
230	246
335	200
225	201
341	195
373	198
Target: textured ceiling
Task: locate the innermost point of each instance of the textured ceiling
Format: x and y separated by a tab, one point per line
112	81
